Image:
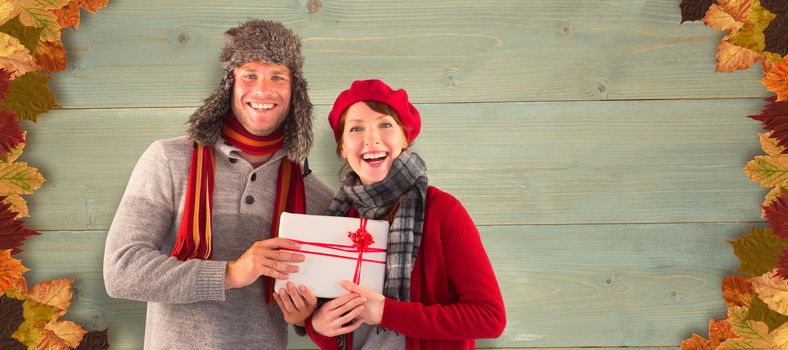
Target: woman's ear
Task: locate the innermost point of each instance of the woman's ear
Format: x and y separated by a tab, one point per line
342	152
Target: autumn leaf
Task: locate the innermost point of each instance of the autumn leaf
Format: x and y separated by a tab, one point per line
760	311
37	315
56	293
10	133
775	6
7	10
719	331
10	270
68	16
65	332
19	178
774	117
777	80
770	145
38	14
773	290
693	10
758	251
737	291
48	340
12	231
15	57
50	56
28	36
782	264
753	334
738	9
95	340
777	216
29	96
717	18
93	5
11	316
18	205
5	83
768	171
731	58
696	342
751	33
14	153
776	35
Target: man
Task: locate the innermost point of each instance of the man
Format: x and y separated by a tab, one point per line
192	234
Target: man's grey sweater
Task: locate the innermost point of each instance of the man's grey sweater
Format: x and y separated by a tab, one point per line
188	307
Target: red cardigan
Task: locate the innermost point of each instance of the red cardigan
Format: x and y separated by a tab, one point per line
454	295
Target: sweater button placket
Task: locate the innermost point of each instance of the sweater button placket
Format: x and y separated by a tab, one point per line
249	199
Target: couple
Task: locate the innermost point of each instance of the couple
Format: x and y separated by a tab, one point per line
196	228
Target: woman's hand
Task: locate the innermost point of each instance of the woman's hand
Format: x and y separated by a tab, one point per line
373	307
333	317
295	306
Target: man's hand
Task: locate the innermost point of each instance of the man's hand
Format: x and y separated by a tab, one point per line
332	318
295	307
262	259
373	306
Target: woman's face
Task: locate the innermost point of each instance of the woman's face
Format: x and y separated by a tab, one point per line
370	142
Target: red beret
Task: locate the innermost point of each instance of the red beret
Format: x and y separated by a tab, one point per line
376	90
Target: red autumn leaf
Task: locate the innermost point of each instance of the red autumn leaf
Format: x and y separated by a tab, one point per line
11	316
782	264
777	215
96	340
12	231
776	35
10	133
5	83
775	117
693	10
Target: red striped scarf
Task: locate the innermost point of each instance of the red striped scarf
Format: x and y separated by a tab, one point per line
194	234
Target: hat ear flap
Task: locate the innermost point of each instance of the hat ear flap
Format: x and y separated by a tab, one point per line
206	122
298	125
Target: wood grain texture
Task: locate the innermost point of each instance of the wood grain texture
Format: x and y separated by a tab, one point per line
145	54
510	163
563	285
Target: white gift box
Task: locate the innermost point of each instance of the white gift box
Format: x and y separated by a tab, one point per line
330	254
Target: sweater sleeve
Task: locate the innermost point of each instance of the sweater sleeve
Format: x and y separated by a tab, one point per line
134	265
323	342
478	311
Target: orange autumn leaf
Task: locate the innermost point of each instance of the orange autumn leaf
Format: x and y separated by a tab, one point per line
777	80
770	145
68	332
48	340
719	19
738	9
719	331
731	58
68	16
737	291
55	293
696	343
11	270
92	5
50	56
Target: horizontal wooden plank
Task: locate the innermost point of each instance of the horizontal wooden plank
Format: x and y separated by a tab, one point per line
145	53
563	285
509	163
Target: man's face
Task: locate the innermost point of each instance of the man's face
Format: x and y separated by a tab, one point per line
261	96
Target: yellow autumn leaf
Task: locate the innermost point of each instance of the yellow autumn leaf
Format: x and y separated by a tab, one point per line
13	155
19	178
15	57
67	332
37	315
6	11
780	336
753	334
717	18
773	290
17	205
55	293
769	144
36	13
731	58
771	197
739	10
48	340
11	270
751	33
768	171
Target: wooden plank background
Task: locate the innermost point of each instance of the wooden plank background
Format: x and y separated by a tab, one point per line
591	141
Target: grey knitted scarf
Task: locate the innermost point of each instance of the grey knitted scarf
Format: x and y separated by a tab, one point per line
406	182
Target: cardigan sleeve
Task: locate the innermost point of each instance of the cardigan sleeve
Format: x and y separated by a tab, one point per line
134	265
323	342
478	311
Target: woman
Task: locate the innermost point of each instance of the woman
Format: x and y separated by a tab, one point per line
440	290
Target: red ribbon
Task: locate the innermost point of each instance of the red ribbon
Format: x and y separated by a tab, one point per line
361	239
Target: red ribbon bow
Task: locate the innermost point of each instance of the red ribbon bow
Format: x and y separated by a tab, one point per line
361	241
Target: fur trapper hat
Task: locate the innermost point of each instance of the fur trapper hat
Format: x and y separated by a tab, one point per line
266	41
